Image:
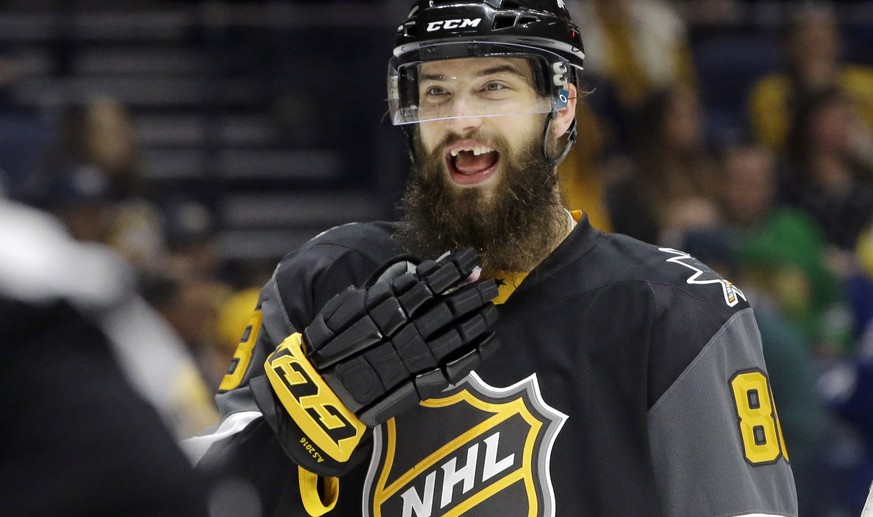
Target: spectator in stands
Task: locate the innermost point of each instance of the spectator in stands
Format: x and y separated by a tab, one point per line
849	386
638	45
673	180
246	277
101	132
782	251
861	290
100	135
80	197
190	306
24	132
749	194
854	406
831	158
10	75
186	285
641	45
813	63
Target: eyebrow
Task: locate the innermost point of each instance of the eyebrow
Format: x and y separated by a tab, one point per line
482	73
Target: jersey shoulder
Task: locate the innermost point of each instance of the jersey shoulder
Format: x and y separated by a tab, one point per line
668	272
688	305
305	279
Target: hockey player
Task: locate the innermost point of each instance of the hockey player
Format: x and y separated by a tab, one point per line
619	379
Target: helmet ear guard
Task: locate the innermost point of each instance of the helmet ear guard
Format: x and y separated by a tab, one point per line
571	135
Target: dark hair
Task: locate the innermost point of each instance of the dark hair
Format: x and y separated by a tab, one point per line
799	144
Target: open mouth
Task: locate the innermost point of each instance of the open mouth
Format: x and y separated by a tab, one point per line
471	163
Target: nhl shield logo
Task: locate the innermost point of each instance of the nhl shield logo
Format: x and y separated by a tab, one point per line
475	450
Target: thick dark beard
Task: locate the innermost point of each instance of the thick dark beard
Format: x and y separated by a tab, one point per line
513	229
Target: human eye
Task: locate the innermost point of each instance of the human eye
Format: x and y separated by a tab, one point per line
435	92
497	90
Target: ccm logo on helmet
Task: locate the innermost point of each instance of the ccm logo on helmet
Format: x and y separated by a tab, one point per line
453	24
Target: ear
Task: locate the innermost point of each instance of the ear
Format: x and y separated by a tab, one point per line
564	118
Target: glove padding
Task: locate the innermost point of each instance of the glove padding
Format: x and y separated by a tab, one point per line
385	347
373	352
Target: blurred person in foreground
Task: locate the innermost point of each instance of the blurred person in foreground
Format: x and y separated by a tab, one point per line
78	438
155	356
492	353
93	183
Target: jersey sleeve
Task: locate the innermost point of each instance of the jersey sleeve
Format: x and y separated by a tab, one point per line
243	446
715	436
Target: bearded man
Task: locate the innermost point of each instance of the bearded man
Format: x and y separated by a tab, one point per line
376	378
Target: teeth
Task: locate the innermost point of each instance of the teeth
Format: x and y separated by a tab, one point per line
476	150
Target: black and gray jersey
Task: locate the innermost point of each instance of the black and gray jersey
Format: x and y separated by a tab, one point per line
630	382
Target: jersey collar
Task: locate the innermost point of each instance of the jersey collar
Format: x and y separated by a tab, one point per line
578	241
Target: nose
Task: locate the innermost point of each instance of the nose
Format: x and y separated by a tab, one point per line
465	125
465	117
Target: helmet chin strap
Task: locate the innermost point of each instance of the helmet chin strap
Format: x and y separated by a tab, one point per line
410	143
571	139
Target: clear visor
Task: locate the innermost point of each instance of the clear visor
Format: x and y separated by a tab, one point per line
501	80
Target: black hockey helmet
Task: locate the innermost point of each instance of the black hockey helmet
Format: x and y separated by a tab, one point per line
539	30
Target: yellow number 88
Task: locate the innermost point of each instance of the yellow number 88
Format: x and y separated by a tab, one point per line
758	421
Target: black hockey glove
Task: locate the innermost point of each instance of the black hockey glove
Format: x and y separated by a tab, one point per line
376	351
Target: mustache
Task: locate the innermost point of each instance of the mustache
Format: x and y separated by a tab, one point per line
495	142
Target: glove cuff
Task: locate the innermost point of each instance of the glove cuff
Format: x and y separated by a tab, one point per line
322	434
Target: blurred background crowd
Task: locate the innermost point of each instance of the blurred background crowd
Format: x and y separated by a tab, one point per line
200	141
